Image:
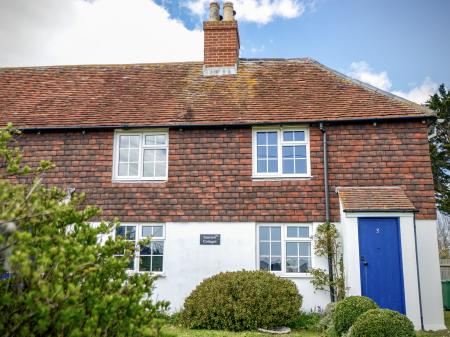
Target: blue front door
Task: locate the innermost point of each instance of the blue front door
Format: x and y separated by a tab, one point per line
381	262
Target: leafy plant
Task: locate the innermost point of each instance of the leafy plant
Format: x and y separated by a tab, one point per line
382	323
306	320
348	310
56	279
242	300
325	325
327	244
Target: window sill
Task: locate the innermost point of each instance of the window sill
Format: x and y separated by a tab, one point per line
278	178
137	181
296	275
157	274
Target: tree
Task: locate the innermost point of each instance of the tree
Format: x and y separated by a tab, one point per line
440	147
327	244
56	280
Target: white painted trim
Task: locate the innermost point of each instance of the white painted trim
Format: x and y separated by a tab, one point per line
141	133
279	130
378	214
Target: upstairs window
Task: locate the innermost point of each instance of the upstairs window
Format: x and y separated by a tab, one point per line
141	156
281	152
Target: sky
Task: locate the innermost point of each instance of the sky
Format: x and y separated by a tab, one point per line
398	46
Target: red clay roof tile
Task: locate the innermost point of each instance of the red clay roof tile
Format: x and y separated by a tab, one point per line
263	91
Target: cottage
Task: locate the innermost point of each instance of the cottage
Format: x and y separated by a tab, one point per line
231	164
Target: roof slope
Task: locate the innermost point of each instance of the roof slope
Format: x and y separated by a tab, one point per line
372	199
264	91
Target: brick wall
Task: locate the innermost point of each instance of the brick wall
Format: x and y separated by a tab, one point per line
210	173
221	45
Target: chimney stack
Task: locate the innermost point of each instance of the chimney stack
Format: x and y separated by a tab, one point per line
221	41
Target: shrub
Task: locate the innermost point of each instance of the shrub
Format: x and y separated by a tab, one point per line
348	310
382	323
306	320
243	300
325	325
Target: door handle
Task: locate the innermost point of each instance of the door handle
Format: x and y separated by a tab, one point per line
364	261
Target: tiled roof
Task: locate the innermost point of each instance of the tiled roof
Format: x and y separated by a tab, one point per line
264	91
371	199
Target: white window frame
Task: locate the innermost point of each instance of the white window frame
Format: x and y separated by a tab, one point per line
280	144
142	146
138	238
284	240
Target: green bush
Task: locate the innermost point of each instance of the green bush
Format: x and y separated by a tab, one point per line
306	320
325	325
243	300
382	323
348	310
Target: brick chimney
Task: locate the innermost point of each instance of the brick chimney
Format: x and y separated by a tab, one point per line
221	45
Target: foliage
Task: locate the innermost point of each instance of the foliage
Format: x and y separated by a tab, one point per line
382	323
348	310
325	325
56	279
440	147
327	244
306	320
242	300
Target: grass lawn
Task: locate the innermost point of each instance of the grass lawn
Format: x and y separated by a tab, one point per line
209	333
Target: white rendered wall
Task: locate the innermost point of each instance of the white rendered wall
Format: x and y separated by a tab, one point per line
430	276
187	263
429	265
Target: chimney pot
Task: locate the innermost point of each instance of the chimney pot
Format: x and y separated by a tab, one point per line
214	11
228	11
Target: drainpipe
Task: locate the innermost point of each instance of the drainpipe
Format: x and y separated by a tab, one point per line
327	203
418	275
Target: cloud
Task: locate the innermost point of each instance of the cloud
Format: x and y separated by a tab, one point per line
257	11
363	72
48	32
420	94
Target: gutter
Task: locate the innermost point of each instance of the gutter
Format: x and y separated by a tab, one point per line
327	205
220	125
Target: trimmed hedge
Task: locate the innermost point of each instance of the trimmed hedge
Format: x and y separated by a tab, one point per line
348	310
243	300
382	323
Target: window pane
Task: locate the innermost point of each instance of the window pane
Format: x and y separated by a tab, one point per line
134	155
272	152
123	169
264	233
275	263
160	169
303	232
150	140
292	265
157	263
131	265
133	169
160	155
304	249
262	166
291	249
288	166
157	248
292	232
134	141
149	155
304	265
264	263
123	155
297	232
130	233
147	231
272	138
157	231
160	139
300	151
288	152
261	152
272	166
124	142
145	250
149	169
299	136
275	233
264	248
261	138
275	248
288	136
144	264
120	231
300	166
